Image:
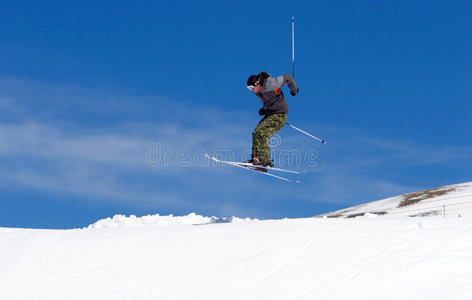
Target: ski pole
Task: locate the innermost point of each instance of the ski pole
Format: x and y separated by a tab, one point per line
293	47
293	75
304	132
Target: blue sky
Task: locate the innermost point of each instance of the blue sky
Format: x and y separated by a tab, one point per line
88	89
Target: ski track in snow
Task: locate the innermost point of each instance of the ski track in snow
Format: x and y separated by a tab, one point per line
341	275
279	268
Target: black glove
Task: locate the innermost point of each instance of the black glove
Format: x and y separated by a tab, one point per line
293	93
262	112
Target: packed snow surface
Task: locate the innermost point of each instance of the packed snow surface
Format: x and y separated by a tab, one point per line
368	257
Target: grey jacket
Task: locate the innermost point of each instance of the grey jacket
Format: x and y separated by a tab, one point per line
272	96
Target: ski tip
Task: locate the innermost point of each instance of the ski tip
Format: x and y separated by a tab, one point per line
324	142
208	156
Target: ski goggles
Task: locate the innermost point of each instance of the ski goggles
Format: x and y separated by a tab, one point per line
252	86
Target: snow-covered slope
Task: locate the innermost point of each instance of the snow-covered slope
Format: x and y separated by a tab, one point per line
195	257
447	201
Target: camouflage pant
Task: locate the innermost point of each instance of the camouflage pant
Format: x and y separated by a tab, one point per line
266	128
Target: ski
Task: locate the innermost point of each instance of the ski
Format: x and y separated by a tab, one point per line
249	165
259	169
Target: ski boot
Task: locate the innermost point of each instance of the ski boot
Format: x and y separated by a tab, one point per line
261	165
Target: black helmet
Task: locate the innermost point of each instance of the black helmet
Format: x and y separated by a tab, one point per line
253	80
257	79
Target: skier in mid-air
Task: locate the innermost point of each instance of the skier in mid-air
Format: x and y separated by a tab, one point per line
275	109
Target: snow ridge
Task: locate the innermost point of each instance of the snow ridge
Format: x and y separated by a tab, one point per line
157	220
